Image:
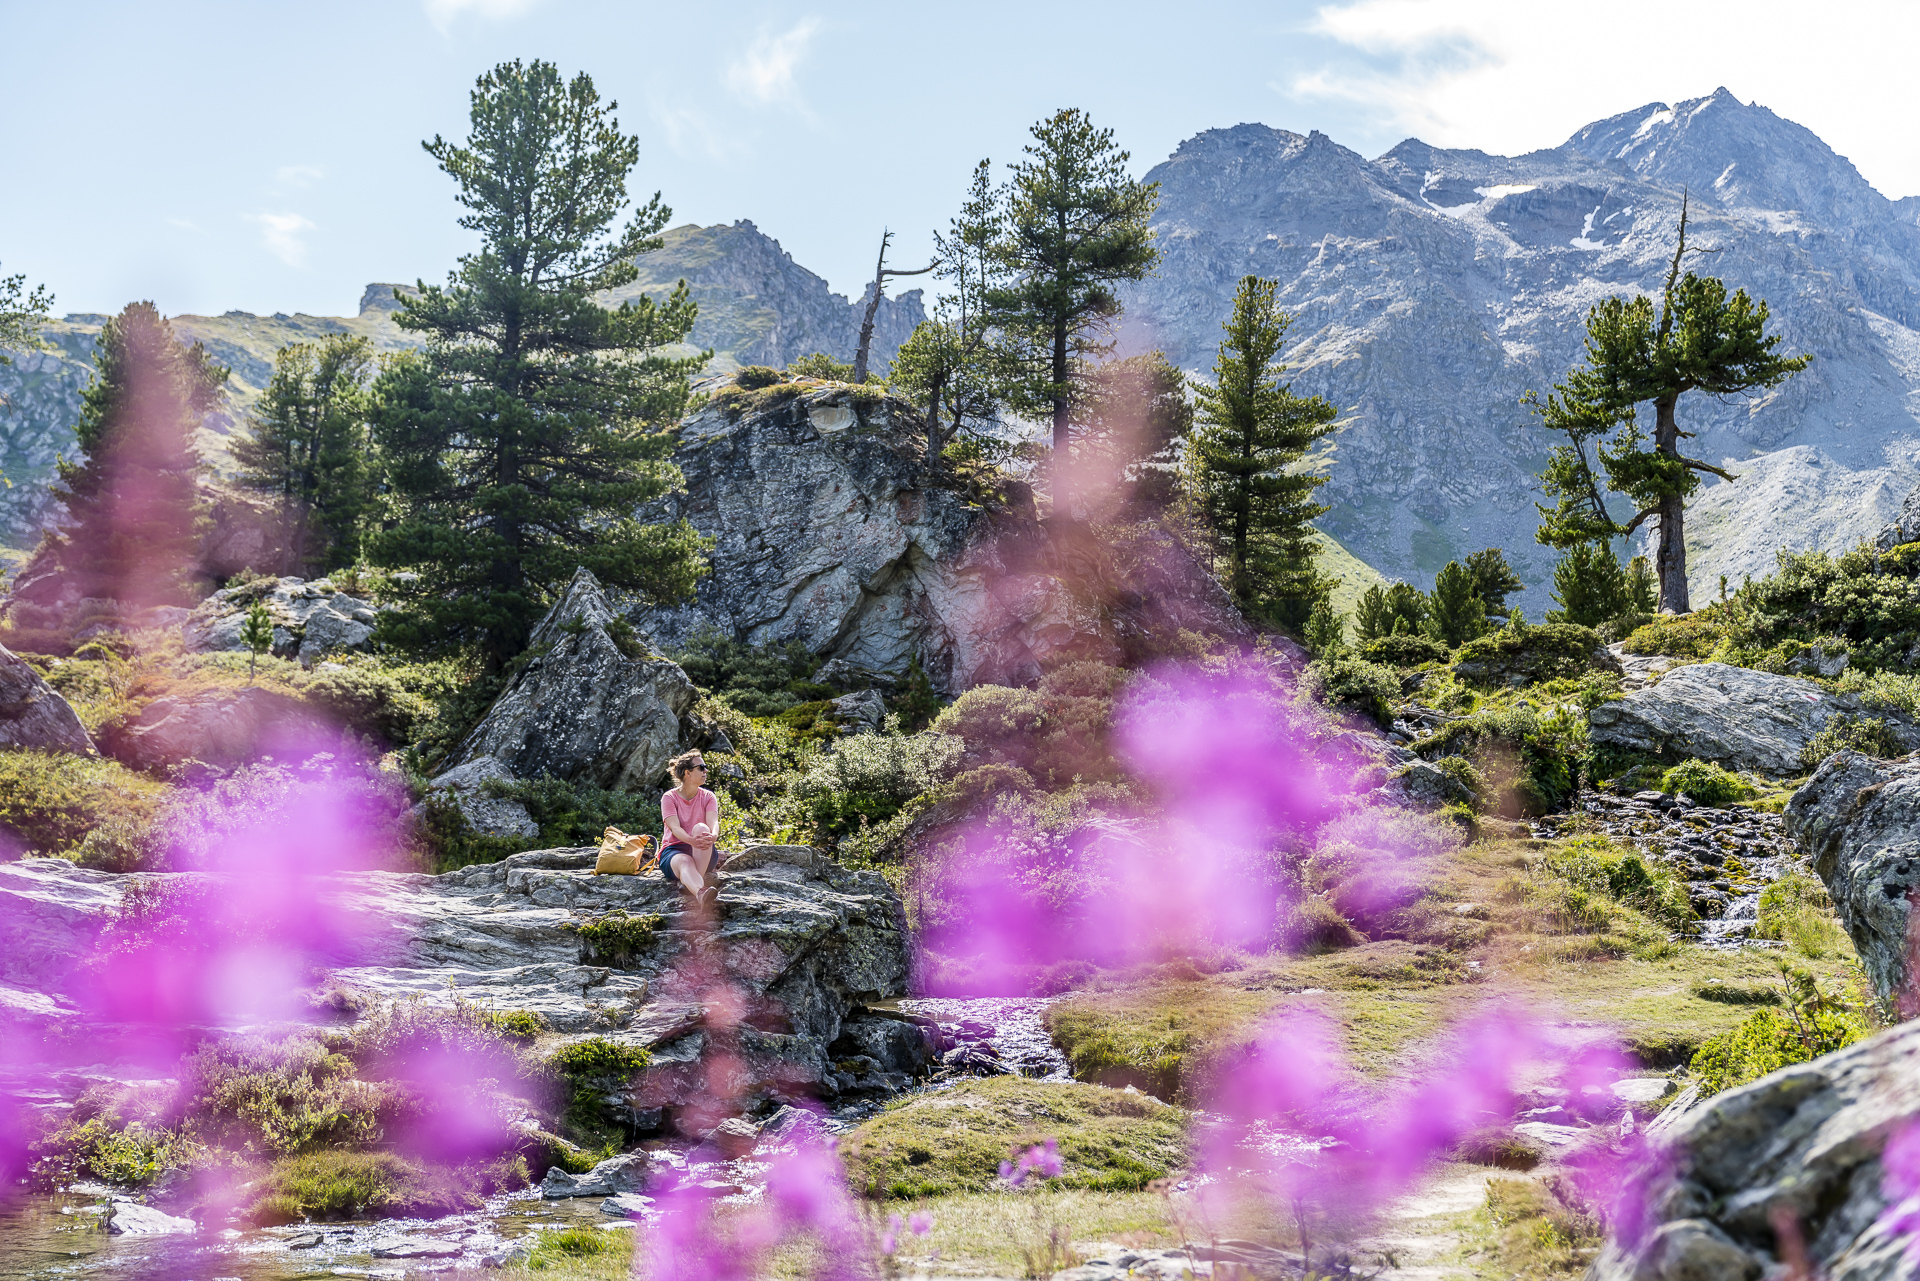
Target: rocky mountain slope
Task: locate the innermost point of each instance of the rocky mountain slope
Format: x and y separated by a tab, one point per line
1433	287
757	306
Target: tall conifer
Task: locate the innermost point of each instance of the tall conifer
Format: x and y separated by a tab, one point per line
521	438
1244	461
133	507
309	445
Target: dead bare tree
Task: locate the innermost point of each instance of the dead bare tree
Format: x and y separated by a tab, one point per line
881	273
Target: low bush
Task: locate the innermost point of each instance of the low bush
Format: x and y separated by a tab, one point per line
1707	783
1692	635
1403	650
1346	680
1813	1022
1523	655
1056	733
51	802
1850	733
617	939
759	680
864	779
282	1097
1528	761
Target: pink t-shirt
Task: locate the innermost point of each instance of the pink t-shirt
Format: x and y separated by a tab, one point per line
703	808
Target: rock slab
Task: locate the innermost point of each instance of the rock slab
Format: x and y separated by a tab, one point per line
1858	820
592	706
33	715
1802	1144
1736	717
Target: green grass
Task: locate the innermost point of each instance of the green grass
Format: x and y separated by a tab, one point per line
352	1185
953	1140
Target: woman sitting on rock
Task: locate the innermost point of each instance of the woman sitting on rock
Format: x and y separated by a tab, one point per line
690	817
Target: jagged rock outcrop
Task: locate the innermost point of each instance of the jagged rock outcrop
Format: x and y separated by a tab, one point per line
1740	718
1800	1147
1858	820
32	713
310	619
592	705
828	530
776	984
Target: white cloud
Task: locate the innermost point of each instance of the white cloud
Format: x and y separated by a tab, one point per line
764	73
441	13
298	177
283	235
1512	75
686	130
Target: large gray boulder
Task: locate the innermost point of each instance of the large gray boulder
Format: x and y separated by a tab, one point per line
310	620
828	529
1742	719
224	727
33	715
466	787
592	705
799	948
1858	820
1801	1146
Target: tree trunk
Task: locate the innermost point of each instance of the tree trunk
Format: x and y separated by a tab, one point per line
933	431
1670	549
1062	430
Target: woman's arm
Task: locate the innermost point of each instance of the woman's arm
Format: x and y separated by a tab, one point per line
676	835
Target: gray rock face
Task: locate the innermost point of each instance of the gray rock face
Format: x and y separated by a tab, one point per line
310	620
1743	719
1858	820
220	727
32	715
862	711
1802	1144
799	948
585	709
1432	287
827	531
1904	527
465	786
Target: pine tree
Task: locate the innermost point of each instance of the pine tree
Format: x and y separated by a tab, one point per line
1698	340
1325	632
1129	435
1244	462
1589	586
309	444
1075	225
1493	579
256	633
1458	612
133	506
519	440
1640	586
1399	608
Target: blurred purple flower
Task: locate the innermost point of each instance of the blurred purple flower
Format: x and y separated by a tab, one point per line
920	1223
1900	1187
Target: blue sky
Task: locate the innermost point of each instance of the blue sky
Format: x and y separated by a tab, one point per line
266	156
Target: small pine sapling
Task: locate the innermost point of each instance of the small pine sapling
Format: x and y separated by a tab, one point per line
257	635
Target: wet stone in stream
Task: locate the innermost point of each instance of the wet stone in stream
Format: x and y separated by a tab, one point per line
1725	856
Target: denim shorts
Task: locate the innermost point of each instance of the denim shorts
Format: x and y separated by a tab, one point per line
666	858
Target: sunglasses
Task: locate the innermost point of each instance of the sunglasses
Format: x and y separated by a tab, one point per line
695	765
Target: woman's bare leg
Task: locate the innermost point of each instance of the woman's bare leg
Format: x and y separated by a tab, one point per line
687	869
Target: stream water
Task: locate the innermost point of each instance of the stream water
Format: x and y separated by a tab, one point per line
59	1237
